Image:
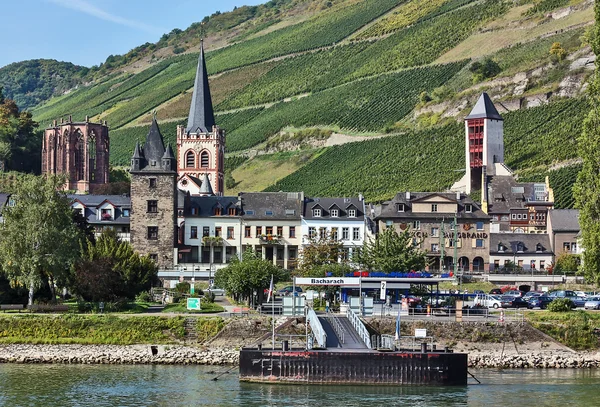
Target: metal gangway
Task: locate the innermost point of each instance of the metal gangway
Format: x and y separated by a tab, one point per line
358	327
318	332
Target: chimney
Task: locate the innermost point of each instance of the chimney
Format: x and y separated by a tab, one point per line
458	195
360	197
54	123
70	119
408	195
62	120
87	118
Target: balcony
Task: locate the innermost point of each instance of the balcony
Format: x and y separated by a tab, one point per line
270	239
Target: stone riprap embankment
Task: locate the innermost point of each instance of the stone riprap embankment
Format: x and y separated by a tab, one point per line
535	360
116	354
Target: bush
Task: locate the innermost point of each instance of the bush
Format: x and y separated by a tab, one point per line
183	287
561	305
208	298
144	296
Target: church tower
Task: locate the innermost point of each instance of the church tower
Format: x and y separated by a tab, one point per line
201	144
154	199
484	142
78	150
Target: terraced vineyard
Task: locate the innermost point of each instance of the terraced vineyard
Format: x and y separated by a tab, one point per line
423	161
562	181
365	105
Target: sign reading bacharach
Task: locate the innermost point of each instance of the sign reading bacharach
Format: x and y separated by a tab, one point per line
341	281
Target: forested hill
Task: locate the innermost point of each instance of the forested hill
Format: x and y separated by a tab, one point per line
294	82
31	82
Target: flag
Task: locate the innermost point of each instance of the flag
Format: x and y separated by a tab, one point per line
270	290
398	325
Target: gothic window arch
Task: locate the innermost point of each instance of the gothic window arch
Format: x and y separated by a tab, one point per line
92	156
190	159
204	159
79	157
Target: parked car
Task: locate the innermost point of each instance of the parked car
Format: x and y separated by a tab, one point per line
289	289
580	294
496	291
592	303
478	292
515	293
216	290
529	295
577	301
486	300
413	301
509	301
540	301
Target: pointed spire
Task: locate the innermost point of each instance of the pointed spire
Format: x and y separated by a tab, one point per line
201	117
137	153
484	109
206	188
169	153
154	148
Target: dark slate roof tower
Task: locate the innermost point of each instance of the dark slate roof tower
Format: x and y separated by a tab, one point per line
201	143
484	109
154	195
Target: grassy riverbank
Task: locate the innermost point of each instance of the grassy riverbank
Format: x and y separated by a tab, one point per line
576	329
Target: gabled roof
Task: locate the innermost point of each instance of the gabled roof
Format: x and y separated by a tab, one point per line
511	241
201	118
564	220
389	209
484	109
154	148
206	205
506	193
334	203
450	198
280	205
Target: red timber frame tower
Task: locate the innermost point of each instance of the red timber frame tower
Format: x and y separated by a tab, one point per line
201	144
475	134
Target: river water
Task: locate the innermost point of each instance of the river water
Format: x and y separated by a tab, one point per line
128	386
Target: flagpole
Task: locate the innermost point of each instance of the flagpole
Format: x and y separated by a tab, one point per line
272	313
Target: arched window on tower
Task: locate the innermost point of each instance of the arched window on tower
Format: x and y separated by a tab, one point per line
92	157
190	160
204	161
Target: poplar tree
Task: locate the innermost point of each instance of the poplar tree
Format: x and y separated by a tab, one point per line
392	251
587	187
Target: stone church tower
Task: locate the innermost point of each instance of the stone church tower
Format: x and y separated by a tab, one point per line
154	199
201	144
80	150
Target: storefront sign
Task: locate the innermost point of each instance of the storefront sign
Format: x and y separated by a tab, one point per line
460	235
341	281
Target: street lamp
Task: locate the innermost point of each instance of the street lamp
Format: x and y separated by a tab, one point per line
193	285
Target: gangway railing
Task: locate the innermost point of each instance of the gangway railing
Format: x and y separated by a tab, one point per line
317	329
359	327
337	326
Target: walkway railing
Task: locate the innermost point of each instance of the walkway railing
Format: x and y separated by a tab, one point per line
337	326
359	327
317	328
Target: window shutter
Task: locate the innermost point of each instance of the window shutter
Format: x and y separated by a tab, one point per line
473	242
458	243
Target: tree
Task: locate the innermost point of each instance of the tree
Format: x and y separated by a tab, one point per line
557	51
126	273
566	263
38	239
484	70
241	278
587	199
320	251
392	251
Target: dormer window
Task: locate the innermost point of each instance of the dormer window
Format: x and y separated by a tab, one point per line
334	213
500	247
218	211
352	213
400	207
11	202
268	213
125	213
520	247
468	208
231	211
316	213
539	248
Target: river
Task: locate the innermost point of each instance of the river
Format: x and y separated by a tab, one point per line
144	385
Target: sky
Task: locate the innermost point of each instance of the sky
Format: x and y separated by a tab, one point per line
86	32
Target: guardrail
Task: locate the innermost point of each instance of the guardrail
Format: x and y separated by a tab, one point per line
317	328
337	326
359	327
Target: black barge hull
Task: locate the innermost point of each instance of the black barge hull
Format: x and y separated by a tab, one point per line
335	367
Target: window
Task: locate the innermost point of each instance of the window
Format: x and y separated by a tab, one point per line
269	213
292	253
496	264
504	218
352	213
479	243
434	207
249	212
205	231
573	246
316	213
479	225
519	247
355	233
513	216
532	264
204	159
389	223
518	216
312	232
468	208
567	246
435	247
125	213
345	233
435	232
218	231
500	247
345	253
152	206
153	257
538	248
400	207
152	232
322	233
542	264
334	233
230	232
190	159
247	232
258	230
506	263
290	212
194	232
292	231
417	225
532	217
231	211
218	211
279	230
106	214
334	213
152	182
269	230
194	211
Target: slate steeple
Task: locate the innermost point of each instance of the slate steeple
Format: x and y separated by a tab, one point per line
206	188
484	109
153	156
201	118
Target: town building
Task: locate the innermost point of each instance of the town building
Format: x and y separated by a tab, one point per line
514	252
449	226
564	231
78	150
271	225
104	212
154	196
340	219
201	143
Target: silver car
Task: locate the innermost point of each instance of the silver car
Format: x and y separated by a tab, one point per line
592	303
